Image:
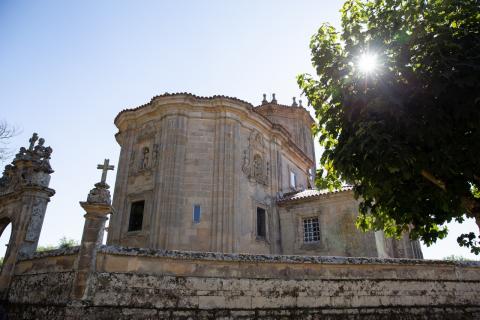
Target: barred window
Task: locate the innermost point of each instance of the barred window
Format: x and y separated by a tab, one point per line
311	230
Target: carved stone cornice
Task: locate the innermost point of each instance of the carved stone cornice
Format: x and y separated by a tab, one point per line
182	103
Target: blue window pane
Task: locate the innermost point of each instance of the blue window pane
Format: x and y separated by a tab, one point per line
196	213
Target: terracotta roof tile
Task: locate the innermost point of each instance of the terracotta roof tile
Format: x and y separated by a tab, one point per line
311	193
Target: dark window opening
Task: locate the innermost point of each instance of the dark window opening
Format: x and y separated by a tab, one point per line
261	223
136	216
196	213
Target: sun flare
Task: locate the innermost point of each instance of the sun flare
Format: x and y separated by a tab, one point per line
367	62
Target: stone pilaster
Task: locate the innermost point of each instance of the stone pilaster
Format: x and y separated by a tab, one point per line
169	201
223	199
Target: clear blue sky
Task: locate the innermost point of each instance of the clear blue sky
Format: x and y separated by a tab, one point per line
67	68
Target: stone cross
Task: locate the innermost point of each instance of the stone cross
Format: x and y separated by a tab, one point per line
105	167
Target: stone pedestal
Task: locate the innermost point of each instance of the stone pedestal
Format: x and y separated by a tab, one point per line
98	207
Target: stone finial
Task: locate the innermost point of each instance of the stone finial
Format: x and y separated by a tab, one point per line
273	99
264	101
300	102
294	103
99	195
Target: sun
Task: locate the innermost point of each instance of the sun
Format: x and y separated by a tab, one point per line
367	62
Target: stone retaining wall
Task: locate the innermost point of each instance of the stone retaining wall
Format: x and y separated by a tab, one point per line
145	284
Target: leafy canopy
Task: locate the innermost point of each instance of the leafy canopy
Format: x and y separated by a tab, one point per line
63	243
406	134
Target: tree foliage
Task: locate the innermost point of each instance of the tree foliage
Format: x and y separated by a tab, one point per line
454	257
407	134
63	243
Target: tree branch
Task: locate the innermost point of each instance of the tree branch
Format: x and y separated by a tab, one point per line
439	183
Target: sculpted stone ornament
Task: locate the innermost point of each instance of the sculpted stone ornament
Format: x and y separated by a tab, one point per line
100	194
29	167
147	132
144	160
257	166
156	154
145	164
254	164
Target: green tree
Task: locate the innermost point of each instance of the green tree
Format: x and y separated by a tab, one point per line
64	242
406	134
67	243
454	257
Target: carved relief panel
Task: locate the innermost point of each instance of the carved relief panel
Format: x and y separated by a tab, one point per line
145	153
255	164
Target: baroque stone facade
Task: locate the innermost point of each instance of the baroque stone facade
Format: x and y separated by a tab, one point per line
218	174
212	178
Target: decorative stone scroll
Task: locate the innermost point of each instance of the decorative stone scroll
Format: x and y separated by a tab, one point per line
255	165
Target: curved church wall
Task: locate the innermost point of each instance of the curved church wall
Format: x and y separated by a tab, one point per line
180	152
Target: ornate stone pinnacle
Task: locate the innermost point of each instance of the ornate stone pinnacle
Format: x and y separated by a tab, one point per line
300	101
273	99
264	101
294	103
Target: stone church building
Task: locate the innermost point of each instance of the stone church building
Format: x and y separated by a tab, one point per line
217	174
215	216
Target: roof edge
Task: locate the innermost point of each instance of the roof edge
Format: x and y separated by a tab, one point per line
290	197
178	94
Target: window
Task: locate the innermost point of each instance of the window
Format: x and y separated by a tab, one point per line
261	225
197	213
293	179
136	216
311	230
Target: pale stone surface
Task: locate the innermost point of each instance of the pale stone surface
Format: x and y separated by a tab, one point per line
336	212
228	157
236	286
222	154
